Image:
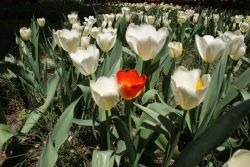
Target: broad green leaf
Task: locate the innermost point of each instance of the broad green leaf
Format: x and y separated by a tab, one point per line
232	92
213	136
148	95
6	133
84	122
245	94
125	135
128	51
37	113
103	158
49	155
212	96
60	132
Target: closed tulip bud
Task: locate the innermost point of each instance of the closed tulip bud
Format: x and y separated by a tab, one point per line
25	33
73	17
232	18
189	87
104	23
150	19
118	17
105	92
69	40
236	45
196	17
106	40
238	18
244	27
41	22
145	41
86	60
216	17
94	31
86	30
240	158
174	49
247	19
111	18
85	41
210	48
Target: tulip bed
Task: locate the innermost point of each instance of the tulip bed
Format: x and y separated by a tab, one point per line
140	85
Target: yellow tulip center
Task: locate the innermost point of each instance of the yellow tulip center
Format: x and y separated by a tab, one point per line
199	84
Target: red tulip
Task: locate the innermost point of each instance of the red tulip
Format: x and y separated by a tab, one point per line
131	84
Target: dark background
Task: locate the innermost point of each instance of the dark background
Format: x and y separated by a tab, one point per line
15	14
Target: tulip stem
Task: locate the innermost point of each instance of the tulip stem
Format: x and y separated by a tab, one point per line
108	128
169	152
207	68
128	111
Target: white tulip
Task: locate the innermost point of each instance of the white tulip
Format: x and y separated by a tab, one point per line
235	42
240	158
106	40
210	48
77	26
86	60
73	17
140	15
118	17
94	31
238	18
86	30
105	92
175	49
69	40
216	17
25	33
149	19
196	17
85	41
90	21
189	87
244	27
56	37
41	22
145	41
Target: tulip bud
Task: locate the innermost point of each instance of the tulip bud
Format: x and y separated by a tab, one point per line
175	49
69	40
195	17
216	17
106	40
105	92
85	41
25	33
210	48
41	22
244	27
240	158
73	17
189	87
145	41
56	37
86	60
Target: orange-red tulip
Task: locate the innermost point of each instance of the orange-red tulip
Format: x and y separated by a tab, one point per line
131	84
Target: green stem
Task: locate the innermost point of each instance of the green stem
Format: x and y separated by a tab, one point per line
107	129
207	68
174	142
128	111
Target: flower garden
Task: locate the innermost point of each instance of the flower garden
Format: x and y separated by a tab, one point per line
135	85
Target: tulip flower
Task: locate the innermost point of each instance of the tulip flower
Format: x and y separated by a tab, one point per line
106	40
150	19
238	18
196	17
240	158
216	17
235	42
86	60
244	27
77	26
73	17
105	92
145	41
210	48
85	42
130	83
41	22
69	40
189	87
25	33
56	37
94	32
175	49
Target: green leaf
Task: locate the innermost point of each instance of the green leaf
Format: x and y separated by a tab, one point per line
49	155
212	96
213	136
149	95
232	92
60	132
125	134
84	122
37	113
103	159
6	133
